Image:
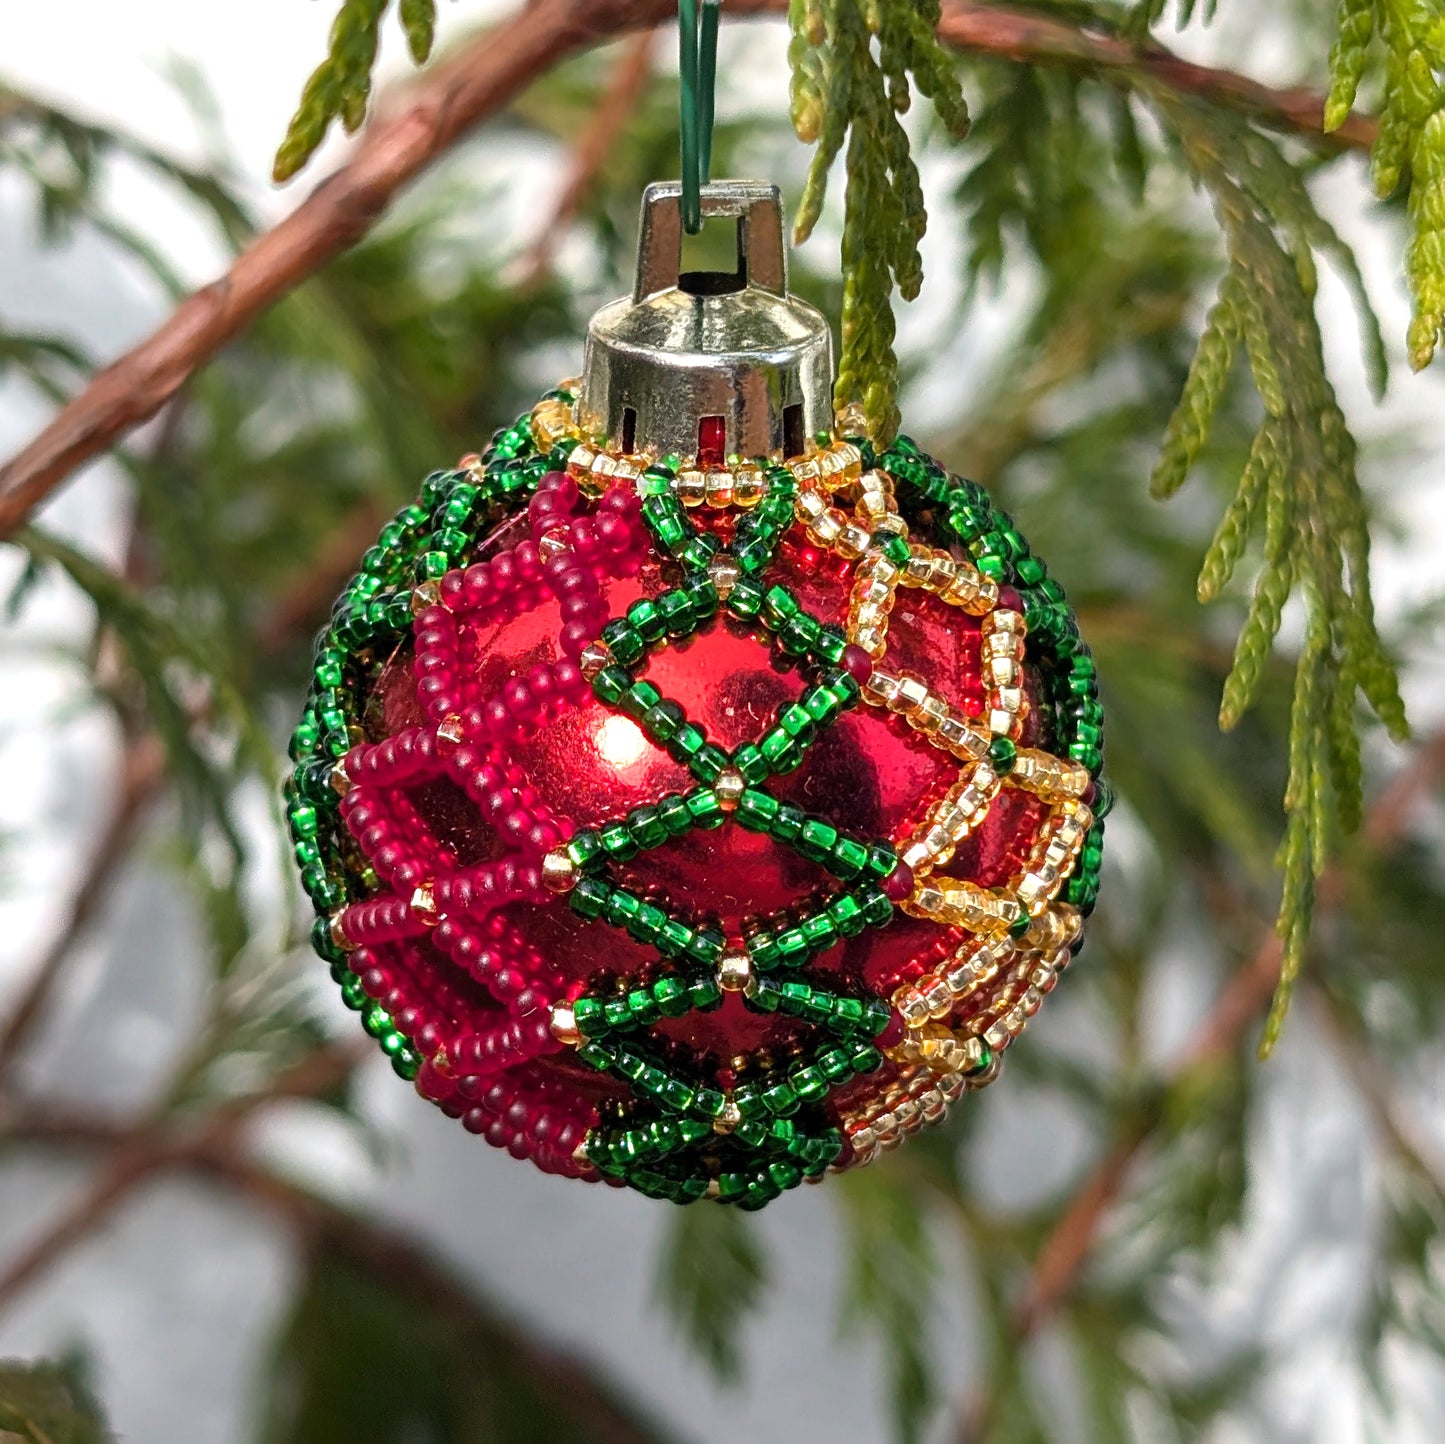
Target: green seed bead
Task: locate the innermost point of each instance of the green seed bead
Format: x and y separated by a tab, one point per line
847	915
611	685
672	997
674	814
1003	754
705	809
643	1006
624	641
746	598
589	897
639	699
709	763
648	618
779	606
757	810
585	850
590	1016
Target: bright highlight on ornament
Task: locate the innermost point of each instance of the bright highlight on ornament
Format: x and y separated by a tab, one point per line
868	834
620	742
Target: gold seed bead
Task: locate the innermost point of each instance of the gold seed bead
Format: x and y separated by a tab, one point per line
719	488
853	541
828	528
1003	671
423	904
880	688
964	904
810	505
851	458
604	465
748	486
552	421
579	1154
553	543
728	1119
449	729
596	656
1043	774
579	463
830	465
338	779
912	693
564	1025
338	937
734	971
425	594
805	469
729	788
1054	929
690	487
714	1189
963	737
724	572
559	872
626	469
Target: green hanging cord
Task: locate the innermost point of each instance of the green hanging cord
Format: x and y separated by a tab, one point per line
697	70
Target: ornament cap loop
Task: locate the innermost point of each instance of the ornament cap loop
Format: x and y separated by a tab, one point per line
762	257
704	365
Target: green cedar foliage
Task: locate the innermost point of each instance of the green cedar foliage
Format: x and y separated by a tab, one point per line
340	86
49	1403
1410	145
853	61
1298	493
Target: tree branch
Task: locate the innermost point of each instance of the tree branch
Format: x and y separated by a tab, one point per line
451	101
142	771
1031	39
1060	1260
594	144
215	1153
140	1151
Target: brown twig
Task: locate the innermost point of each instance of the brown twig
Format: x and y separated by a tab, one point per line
142	771
594	144
140	1151
143	777
1029	39
1061	1259
384	1253
455	98
401	1263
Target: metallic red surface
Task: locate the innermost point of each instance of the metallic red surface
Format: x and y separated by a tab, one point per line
869	775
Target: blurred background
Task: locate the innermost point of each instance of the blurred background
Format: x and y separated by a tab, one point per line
225	1223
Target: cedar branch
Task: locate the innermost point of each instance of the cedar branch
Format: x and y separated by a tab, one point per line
458	96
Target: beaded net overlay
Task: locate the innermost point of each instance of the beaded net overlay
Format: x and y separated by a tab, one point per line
721	1046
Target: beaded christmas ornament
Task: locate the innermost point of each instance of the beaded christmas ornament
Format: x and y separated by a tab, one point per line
700	825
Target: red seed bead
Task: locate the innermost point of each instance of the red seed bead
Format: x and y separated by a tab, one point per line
898	885
857	663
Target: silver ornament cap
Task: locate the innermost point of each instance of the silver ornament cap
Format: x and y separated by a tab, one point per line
720	362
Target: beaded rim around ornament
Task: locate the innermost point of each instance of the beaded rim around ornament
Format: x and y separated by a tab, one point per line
860	505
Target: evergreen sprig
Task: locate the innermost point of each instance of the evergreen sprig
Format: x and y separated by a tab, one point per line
340	86
1298	492
1411	139
852	63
